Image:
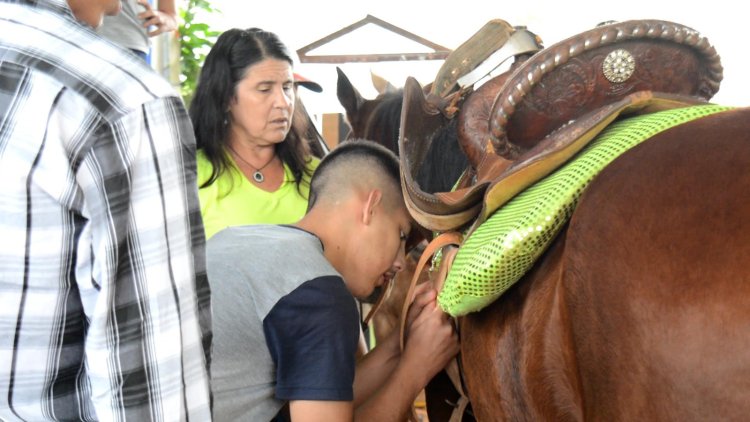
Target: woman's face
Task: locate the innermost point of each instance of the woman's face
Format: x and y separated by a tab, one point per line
263	105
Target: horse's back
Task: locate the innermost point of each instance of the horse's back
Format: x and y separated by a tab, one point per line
656	277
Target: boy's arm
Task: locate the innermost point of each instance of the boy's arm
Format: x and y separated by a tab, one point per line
386	381
311	334
431	343
321	411
378	365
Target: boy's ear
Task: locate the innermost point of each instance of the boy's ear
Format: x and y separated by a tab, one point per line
374	197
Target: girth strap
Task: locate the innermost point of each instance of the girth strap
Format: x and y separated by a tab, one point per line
454	373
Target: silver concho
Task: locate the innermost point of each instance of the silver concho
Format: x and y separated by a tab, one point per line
618	66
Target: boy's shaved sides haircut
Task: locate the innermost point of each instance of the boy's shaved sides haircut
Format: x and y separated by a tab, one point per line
356	164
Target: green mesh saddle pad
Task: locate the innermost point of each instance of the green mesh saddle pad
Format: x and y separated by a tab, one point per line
504	247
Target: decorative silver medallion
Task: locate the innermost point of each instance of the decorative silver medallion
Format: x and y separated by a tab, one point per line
618	66
258	176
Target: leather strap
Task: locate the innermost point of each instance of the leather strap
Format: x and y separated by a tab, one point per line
449	254
454	373
449	238
443	240
414	251
376	307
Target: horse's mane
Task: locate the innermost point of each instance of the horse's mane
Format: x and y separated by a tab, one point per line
444	163
384	121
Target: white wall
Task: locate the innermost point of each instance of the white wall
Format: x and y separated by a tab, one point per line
300	23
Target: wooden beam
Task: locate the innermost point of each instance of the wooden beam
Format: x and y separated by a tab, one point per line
349	58
406	34
440	52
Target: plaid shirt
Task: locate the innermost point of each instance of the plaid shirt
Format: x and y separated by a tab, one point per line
104	301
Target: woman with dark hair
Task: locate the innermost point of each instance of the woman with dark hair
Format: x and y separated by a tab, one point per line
253	167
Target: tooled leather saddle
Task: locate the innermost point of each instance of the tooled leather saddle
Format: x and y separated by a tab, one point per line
521	125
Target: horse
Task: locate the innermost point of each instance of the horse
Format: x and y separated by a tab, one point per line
626	295
374	119
379	120
638	308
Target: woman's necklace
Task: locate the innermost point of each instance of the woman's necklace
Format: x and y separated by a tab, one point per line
257	175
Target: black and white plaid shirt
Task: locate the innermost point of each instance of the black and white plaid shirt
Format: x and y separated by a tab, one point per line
104	301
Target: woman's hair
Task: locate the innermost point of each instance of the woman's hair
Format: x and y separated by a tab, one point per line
225	66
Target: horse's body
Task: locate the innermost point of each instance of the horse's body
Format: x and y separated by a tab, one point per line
639	310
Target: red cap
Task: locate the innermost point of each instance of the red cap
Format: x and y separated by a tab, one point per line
312	86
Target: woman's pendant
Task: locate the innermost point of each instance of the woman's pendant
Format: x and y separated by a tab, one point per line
258	176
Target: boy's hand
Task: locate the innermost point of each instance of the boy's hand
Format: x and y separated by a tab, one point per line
432	341
423	294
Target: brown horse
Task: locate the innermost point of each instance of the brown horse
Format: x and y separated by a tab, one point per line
379	120
640	309
376	119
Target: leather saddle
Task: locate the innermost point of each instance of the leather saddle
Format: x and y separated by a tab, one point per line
520	126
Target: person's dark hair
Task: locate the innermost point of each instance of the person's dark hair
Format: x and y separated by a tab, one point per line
352	151
225	66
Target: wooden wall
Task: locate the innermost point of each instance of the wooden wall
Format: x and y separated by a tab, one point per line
335	129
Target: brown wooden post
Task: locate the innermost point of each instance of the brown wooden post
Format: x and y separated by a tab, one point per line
335	129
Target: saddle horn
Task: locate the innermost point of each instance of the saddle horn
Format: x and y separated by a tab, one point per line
470	54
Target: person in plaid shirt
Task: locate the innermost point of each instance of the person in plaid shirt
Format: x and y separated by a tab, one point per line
104	301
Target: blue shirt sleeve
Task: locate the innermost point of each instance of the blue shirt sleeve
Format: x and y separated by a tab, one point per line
312	335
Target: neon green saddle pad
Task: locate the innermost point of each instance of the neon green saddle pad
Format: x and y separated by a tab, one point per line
505	246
